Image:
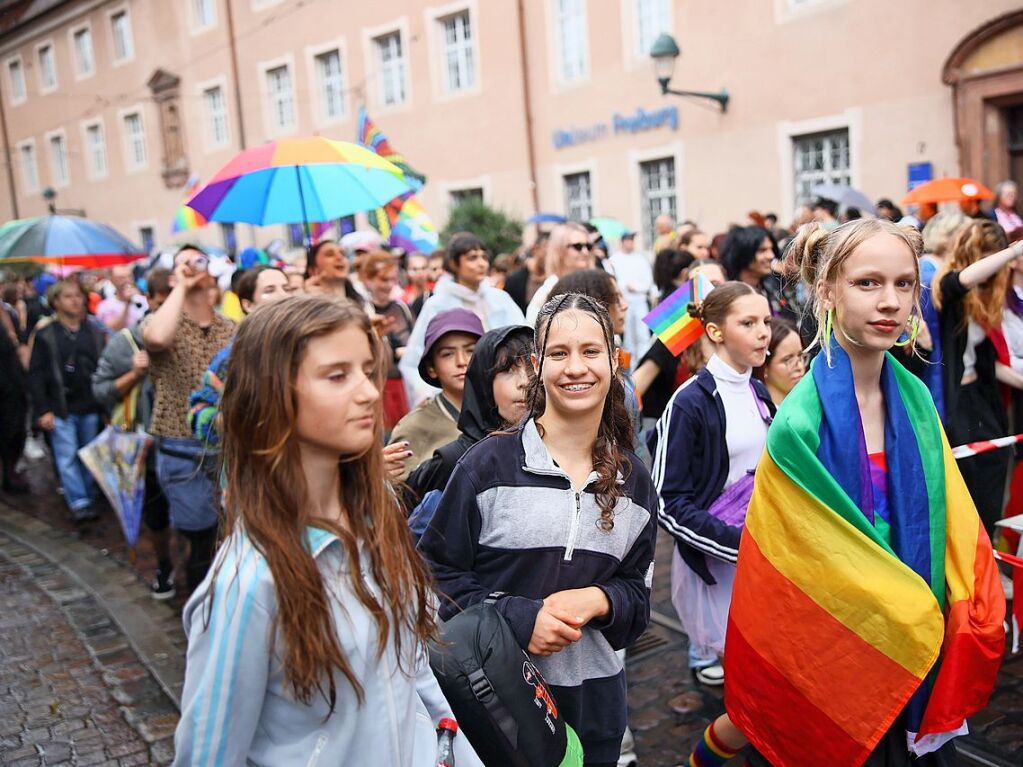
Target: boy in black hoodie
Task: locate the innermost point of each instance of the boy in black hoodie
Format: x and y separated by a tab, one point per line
494	398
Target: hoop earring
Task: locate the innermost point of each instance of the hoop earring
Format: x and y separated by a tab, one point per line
828	327
914	331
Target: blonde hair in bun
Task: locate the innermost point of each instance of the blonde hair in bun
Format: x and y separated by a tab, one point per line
820	255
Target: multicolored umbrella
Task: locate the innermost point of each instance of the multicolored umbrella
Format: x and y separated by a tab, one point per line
947	190
65	241
117	459
186	218
299	180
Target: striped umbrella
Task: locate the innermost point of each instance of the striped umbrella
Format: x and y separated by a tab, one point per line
65	241
186	219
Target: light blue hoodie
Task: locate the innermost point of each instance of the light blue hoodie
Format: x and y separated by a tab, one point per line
237	709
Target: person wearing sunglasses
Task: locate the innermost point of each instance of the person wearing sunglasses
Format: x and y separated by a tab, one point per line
568	250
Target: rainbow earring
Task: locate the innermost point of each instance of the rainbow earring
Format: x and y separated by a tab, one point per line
914	331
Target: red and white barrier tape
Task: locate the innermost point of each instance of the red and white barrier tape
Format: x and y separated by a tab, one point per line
976	448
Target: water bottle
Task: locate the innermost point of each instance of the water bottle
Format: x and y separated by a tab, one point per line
446	730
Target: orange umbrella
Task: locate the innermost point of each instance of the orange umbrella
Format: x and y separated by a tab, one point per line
946	189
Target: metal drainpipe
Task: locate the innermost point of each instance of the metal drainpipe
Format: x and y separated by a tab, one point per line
527	107
7	159
237	90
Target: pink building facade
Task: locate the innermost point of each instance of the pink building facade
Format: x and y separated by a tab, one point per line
536	105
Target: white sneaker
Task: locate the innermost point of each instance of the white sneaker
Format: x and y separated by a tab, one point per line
712	676
33	451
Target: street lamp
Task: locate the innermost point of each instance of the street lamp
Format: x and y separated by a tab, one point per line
49	195
664	53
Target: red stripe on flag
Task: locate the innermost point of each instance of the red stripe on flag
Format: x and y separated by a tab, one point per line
973	648
853	681
797	732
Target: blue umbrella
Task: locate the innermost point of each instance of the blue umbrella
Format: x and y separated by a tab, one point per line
546	218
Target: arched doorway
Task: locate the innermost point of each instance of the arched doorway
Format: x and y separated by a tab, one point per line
986	74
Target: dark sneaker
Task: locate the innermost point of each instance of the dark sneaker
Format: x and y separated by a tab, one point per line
163	585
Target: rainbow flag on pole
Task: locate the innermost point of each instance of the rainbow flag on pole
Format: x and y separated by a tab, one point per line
670	320
848	612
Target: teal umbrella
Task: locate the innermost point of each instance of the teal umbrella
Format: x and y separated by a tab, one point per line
609	228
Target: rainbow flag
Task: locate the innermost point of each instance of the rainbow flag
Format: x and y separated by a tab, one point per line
670	320
848	613
372	137
186	218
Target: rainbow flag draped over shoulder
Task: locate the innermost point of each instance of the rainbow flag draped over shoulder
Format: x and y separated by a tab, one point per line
841	620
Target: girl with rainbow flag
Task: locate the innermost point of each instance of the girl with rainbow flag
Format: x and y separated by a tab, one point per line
867	616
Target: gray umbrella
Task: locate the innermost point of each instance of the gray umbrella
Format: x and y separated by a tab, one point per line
845	196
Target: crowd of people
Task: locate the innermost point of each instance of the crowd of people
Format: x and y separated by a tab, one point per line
360	446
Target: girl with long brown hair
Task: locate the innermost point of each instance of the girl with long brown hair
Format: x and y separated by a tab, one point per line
969	294
306	641
558	517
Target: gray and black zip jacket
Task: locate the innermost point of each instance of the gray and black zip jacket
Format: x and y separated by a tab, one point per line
509	521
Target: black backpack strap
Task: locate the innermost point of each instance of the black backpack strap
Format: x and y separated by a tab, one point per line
484	692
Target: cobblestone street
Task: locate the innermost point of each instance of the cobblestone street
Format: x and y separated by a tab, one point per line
73	691
102	687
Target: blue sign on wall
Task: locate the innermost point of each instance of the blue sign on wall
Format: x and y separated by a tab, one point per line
919	173
637	122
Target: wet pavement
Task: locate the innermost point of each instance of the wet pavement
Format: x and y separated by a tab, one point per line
103	689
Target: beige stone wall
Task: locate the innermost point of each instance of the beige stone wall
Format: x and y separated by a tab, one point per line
790	66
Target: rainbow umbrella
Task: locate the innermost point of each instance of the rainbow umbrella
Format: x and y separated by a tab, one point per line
66	241
299	180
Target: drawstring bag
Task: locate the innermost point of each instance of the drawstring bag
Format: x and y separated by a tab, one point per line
499	698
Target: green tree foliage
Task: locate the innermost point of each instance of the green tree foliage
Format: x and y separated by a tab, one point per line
500	232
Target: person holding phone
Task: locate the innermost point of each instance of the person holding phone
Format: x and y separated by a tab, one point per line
181	337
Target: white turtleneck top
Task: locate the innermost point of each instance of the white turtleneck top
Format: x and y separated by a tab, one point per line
745	430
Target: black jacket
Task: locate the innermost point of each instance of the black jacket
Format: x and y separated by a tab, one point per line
478	418
691	467
46	372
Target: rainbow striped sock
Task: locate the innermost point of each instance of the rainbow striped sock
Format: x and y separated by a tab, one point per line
710	751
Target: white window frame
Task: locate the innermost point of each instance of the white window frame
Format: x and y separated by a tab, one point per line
59	183
786	11
435	17
589	165
633	57
43	88
312	54
850	120
371	60
79	73
91	171
130	53
273	130
8	63
30	185
210	142
676	150
556	44
195	25
456	185
130	166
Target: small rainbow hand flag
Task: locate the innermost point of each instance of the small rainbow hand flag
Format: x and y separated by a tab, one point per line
670	320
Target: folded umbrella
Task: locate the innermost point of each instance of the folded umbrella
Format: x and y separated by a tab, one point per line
117	459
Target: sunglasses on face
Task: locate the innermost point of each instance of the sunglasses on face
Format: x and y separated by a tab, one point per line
580	246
